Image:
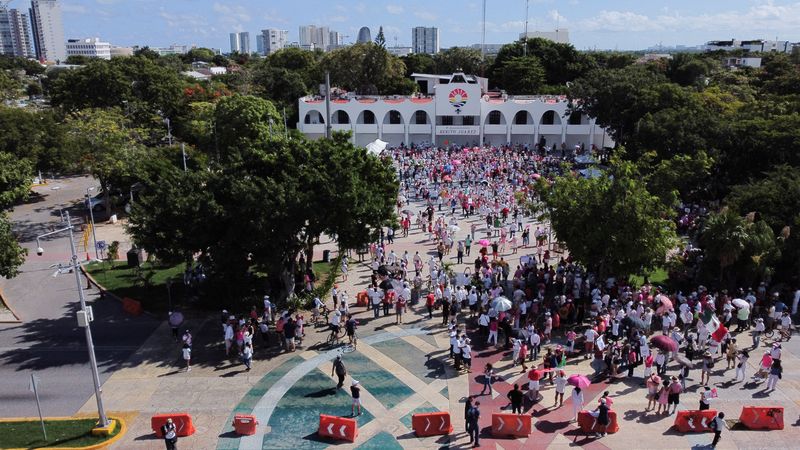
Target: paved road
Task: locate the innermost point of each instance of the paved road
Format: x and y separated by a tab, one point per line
48	341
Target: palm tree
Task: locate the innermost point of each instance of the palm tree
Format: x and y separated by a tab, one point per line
724	238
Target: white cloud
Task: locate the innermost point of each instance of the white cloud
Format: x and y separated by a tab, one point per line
764	17
425	15
231	13
338	19
394	9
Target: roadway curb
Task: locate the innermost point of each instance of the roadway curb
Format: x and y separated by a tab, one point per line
8	306
123	428
105	292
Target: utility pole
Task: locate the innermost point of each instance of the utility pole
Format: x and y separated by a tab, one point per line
525	41
483	32
327	105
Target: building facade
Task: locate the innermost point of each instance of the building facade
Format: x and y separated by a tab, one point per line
364	36
460	111
274	40
234	38
91	48
312	35
559	35
244	43
425	40
15	33
48	30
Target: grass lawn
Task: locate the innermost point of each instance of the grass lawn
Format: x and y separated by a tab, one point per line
658	276
60	433
123	282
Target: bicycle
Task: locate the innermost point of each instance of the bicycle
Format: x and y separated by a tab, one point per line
321	314
335	335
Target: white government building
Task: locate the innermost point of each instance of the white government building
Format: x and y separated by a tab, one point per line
452	109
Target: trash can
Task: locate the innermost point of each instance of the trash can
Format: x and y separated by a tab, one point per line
326	256
134	257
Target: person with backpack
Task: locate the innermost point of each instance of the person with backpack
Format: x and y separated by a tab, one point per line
170	435
340	370
717	425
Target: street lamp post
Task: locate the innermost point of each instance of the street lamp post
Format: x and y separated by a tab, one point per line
91	216
84	313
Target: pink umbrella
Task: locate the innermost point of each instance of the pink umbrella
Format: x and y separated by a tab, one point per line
456	162
664	343
536	176
666	304
579	381
484	242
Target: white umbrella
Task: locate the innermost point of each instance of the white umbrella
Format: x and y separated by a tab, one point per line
376	147
455	228
501	304
740	303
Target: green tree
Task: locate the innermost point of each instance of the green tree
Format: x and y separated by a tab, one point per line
521	75
242	121
682	177
459	59
561	62
15	184
36	136
611	223
616	98
380	39
104	145
366	69
724	238
418	63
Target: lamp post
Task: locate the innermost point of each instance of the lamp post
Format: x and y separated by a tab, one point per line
84	315
91	216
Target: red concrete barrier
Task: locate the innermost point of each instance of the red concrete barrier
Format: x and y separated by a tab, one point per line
131	306
244	425
588	423
183	423
762	417
517	425
695	421
431	424
338	427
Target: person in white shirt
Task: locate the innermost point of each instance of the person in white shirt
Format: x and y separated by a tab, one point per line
536	342
577	402
228	338
590	335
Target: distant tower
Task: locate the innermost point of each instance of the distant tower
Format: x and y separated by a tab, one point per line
364	35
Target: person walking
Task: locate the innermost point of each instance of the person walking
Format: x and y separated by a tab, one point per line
602	415
561	385
717	425
247	356
488	379
355	391
742	364
775	373
577	402
467	407
705	399
653	383
515	397
466	354
340	370
170	435
187	356
708	364
473	429
674	395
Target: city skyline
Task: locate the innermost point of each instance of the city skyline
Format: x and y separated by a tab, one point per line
622	24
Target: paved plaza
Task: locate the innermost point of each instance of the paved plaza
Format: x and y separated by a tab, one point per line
403	370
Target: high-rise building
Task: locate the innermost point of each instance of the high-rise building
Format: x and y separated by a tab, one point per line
91	48
48	30
235	45
274	40
334	40
14	33
364	35
244	42
318	37
425	40
260	44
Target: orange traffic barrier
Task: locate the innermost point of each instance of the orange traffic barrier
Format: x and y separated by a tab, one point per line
430	424
511	424
362	299
131	306
244	425
588	423
762	417
182	421
695	421
338	427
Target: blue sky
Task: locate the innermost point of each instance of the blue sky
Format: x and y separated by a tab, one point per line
620	24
